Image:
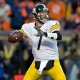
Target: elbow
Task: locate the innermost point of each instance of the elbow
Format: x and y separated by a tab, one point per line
59	36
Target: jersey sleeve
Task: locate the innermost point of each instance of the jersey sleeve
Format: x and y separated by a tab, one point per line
24	30
54	25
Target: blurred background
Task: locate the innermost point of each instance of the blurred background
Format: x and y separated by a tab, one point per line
16	58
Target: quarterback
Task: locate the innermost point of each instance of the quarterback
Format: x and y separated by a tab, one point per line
43	34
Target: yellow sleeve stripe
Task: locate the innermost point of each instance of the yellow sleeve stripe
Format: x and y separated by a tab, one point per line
56	26
24	34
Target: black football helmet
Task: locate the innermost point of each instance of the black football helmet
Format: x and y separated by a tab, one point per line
38	8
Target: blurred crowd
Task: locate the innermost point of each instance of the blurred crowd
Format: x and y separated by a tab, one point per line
16	59
14	13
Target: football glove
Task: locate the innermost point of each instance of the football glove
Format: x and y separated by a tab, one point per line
40	32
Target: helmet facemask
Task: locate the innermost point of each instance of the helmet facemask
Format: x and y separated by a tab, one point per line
43	16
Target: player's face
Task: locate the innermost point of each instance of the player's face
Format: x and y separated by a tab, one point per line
42	15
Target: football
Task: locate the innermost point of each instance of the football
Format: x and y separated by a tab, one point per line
15	37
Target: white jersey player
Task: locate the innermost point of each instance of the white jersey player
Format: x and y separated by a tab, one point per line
43	34
43	48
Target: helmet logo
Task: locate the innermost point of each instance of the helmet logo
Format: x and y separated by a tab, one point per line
44	6
34	10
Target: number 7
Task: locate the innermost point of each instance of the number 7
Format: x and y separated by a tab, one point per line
39	43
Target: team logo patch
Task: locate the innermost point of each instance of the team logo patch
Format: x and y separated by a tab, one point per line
46	29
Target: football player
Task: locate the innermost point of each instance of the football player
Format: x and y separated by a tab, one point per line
43	34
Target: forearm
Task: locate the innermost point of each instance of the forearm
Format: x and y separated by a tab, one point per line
54	35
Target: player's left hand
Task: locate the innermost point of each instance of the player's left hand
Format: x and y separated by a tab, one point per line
40	32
